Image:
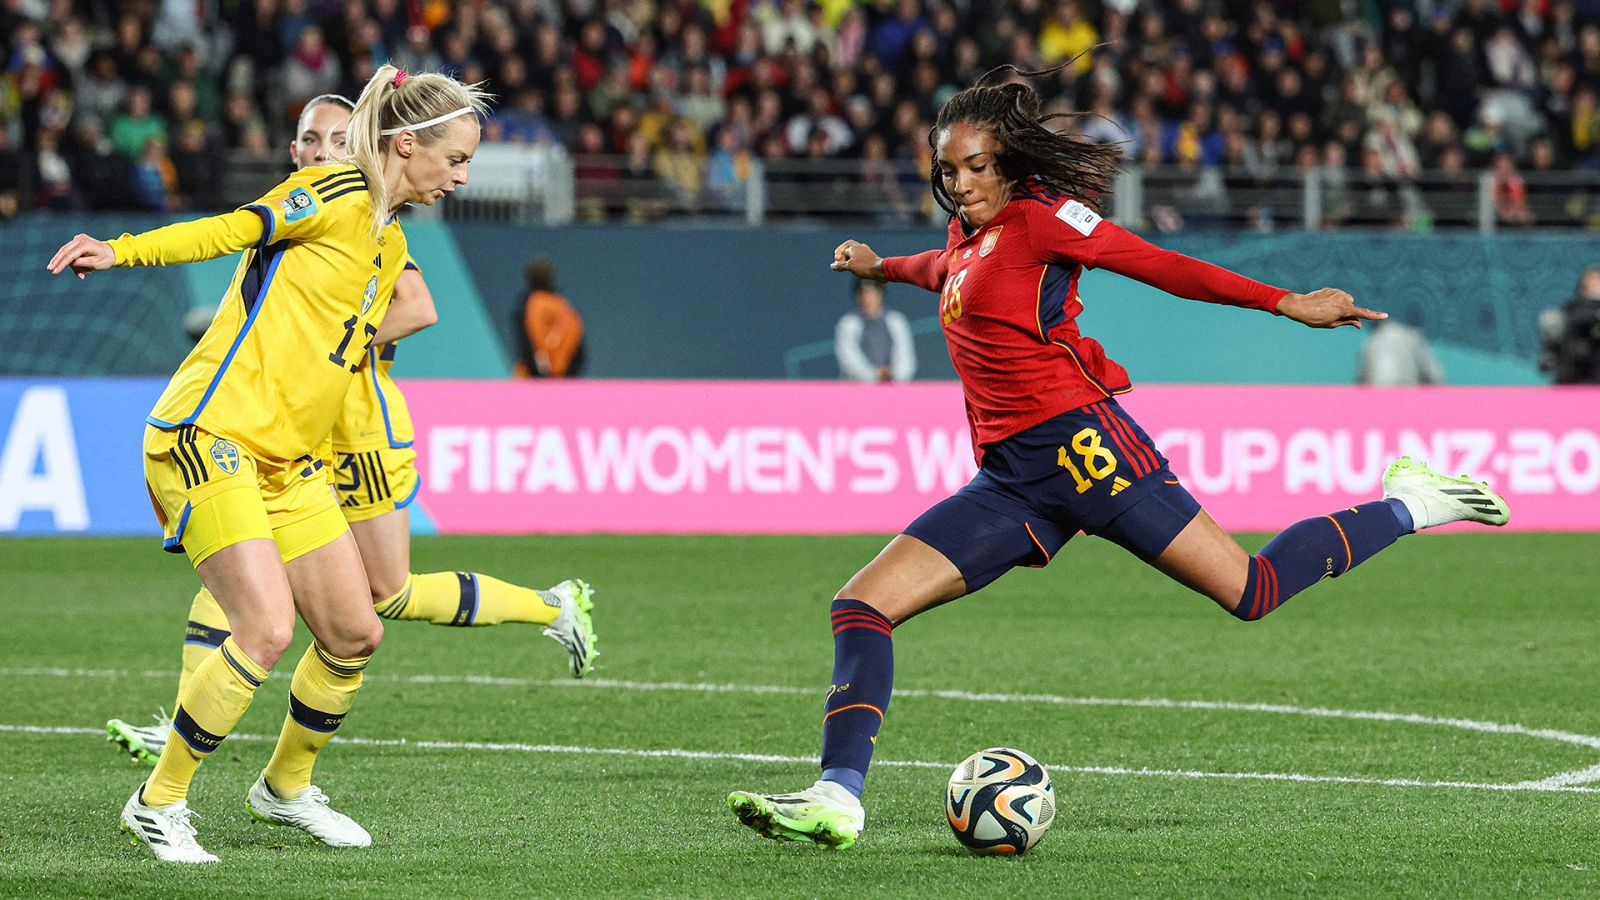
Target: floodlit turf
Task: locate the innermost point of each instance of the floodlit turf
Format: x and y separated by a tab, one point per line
1489	628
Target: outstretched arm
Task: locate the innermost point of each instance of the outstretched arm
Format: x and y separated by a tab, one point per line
1086	238
1128	254
185	242
925	270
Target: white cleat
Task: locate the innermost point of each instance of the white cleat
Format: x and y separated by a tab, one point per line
308	812
1434	498
142	742
165	830
574	628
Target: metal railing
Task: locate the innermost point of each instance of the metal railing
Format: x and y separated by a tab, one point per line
544	184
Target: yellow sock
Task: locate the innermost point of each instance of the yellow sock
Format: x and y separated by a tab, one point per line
323	690
467	598
207	629
216	698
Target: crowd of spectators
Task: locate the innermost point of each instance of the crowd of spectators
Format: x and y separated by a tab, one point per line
142	103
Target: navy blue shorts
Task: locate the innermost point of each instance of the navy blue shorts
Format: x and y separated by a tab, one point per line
1092	470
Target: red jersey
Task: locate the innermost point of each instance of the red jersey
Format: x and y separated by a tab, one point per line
1008	301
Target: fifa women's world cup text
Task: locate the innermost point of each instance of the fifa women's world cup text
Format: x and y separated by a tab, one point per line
1057	454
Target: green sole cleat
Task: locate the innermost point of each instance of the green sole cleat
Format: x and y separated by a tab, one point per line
574	628
139	742
798	817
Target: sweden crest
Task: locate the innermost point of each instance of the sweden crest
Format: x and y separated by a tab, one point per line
225	455
370	295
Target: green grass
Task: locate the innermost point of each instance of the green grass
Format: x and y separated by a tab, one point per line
1491	627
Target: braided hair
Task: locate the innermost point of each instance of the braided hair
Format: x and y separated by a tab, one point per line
1064	162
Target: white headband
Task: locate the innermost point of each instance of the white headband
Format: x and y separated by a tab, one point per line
428	124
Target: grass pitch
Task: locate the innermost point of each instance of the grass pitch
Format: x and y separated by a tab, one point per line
1193	755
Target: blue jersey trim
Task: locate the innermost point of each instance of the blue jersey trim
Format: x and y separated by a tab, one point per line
163	425
261	210
174	544
415	489
1055	283
216	379
383	403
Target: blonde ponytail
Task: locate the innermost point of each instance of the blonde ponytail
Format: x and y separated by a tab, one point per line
392	101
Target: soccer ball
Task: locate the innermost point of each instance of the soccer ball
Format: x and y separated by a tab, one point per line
1000	801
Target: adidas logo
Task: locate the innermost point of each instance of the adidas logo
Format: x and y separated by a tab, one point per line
1472	497
1118	484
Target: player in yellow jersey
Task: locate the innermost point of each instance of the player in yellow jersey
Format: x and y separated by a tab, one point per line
376	476
232	457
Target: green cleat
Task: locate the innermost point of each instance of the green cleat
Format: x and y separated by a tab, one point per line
142	742
574	628
1434	498
824	814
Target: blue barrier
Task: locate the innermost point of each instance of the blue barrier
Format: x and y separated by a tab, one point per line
71	458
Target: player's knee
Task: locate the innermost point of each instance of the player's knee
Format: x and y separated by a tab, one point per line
265	642
361	642
385	585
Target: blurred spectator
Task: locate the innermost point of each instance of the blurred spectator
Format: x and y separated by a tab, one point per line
11	176
154	177
525	122
728	169
872	343
1395	354
1510	193
681	165
55	187
1570	335
100	92
549	331
135	126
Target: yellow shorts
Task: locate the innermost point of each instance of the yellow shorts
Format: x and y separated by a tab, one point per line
375	482
209	493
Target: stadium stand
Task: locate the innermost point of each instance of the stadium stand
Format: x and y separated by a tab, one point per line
1400	115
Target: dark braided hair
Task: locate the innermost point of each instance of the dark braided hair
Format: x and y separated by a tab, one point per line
1064	162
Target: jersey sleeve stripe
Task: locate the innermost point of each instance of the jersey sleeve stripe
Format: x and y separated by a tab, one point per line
337	194
344	172
324	191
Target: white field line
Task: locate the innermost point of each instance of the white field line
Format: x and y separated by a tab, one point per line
1549	734
709	756
1579	776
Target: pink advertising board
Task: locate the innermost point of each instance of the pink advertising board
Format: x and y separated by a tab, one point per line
823	457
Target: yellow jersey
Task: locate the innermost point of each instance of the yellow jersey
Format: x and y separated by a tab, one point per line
273	370
375	413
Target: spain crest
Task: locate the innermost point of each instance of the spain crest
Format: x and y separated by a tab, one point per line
225	455
990	239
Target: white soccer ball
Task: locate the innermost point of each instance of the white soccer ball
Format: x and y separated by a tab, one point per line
1000	801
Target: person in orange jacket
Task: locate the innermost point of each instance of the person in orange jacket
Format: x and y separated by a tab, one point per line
549	331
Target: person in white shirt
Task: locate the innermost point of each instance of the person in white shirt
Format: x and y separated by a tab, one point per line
874	344
1396	355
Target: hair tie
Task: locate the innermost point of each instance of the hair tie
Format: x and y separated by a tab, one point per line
400	76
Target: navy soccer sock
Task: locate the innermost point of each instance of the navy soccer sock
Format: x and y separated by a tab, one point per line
1313	549
863	678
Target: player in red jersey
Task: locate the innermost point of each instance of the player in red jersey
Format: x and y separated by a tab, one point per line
1057	455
